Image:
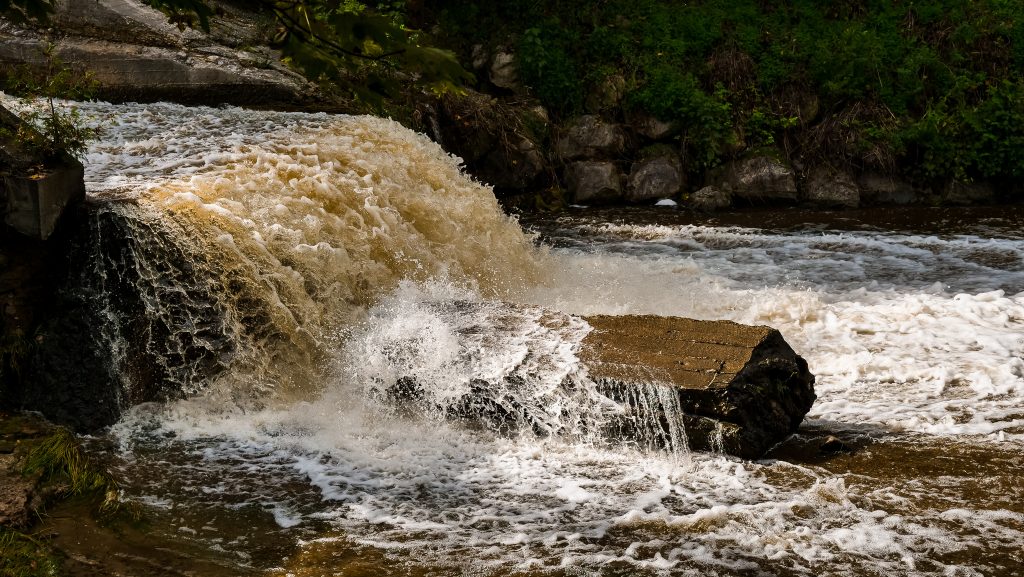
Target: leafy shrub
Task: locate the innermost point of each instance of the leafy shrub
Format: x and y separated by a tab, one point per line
931	73
671	94
547	64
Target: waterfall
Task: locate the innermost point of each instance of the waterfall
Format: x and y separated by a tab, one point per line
232	249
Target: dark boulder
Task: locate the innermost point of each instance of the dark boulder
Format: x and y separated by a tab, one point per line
877	188
711	199
589	137
758	179
655	178
740	389
968	193
828	187
594	181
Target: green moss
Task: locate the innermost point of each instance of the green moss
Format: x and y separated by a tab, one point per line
24	556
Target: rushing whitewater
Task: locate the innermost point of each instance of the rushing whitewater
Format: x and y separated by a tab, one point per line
337	250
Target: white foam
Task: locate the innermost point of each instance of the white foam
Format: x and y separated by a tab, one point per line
901	352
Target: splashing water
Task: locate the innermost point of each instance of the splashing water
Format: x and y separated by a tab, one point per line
336	254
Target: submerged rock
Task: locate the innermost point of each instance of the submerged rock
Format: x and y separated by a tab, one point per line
710	199
832	444
740	389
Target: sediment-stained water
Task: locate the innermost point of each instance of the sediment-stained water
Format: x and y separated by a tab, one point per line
356	236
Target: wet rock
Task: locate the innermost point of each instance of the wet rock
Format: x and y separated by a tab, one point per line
830	188
741	389
879	188
831	444
655	178
711	199
503	72
968	193
594	181
101	302
758	180
514	169
590	137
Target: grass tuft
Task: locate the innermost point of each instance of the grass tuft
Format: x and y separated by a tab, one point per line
59	460
23	556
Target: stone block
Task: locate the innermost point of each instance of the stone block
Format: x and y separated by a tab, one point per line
738	389
34	203
661	381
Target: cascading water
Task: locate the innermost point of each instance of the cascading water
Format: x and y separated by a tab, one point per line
329	257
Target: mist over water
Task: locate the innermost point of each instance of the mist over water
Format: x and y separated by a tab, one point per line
348	251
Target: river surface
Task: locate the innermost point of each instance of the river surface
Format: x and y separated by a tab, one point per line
351	234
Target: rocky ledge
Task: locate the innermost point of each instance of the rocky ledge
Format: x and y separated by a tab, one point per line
131	52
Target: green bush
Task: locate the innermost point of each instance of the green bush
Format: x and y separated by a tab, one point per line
935	83
996	127
546	63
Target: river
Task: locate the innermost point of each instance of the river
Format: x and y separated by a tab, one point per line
349	235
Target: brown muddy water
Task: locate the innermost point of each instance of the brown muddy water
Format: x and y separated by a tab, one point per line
349	234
